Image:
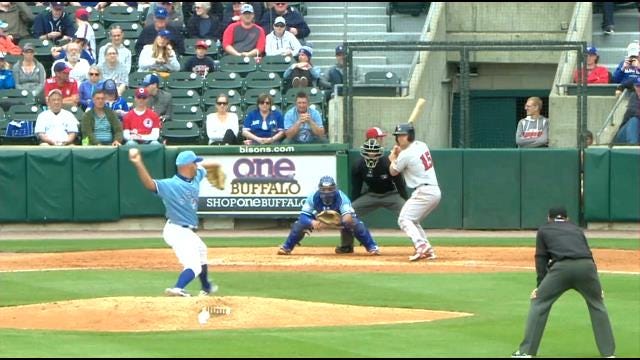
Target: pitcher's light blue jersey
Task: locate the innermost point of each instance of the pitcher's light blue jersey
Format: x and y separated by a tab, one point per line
180	198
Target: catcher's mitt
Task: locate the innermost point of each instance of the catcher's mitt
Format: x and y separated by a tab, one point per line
215	175
330	217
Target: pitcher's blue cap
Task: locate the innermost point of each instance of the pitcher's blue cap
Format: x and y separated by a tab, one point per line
161	13
187	157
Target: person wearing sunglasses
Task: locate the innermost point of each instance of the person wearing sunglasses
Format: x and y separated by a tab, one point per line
263	125
222	125
280	41
294	19
89	86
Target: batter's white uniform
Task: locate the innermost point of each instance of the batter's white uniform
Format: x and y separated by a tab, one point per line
416	165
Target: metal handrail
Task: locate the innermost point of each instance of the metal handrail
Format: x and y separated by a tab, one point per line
609	120
572	34
423	37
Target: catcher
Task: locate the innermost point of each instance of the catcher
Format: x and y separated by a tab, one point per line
328	208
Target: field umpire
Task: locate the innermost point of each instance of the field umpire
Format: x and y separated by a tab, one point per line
563	262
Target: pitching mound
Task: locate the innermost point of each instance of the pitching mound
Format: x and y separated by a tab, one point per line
170	314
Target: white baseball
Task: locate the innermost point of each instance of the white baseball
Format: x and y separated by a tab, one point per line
133	151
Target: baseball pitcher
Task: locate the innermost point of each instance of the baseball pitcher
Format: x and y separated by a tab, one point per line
180	197
412	159
326	207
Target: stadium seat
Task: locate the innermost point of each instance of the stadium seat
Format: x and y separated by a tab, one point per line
18	113
381	77
187	113
185	80
13	97
238	64
210	96
38	9
99	31
136	77
181	133
190	47
184	96
251	96
275	107
120	14
263	80
94	15
224	80
316	96
129	30
42	48
276	63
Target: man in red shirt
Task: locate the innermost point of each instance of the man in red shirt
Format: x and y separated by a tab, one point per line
596	74
62	82
244	38
141	125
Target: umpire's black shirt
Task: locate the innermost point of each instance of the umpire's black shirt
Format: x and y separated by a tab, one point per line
556	241
378	179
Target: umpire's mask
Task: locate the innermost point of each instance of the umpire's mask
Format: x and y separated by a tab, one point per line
371	151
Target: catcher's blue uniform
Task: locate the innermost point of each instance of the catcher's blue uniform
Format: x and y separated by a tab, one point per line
314	204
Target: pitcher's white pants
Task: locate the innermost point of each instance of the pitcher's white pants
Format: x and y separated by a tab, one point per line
423	201
187	245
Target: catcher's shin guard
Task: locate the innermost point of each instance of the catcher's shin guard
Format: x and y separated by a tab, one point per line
295	236
363	235
346	238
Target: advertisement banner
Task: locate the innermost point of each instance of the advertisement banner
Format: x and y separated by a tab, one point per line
257	184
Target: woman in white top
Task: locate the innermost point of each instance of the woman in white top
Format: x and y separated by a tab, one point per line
112	69
222	126
280	41
159	56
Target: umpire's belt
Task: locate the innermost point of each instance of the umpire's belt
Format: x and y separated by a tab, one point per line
383	194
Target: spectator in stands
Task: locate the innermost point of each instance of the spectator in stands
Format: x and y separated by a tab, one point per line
6	45
85	31
113	100
174	14
222	126
63	82
60	52
588	138
204	25
19	18
6	75
303	73
53	25
56	126
335	75
89	86
263	125
629	69
117	41
303	125
79	67
596	74
159	100
629	131
281	41
141	125
295	21
28	72
201	63
233	12
159	56
608	24
244	38
100	124
533	131
112	69
150	32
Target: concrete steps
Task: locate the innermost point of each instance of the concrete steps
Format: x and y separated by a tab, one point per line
364	10
364	36
625	21
351	19
613	48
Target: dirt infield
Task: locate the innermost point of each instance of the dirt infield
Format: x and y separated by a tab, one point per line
166	314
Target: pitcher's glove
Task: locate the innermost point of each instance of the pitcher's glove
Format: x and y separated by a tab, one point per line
215	175
330	217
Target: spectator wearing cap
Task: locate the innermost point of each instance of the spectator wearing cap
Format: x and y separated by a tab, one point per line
100	124
53	25
79	66
375	133
629	68
6	45
63	82
29	74
56	126
233	12
335	75
175	17
160	22
89	86
159	57
85	31
303	73
117	40
6	75
160	101
113	100
141	125
280	41
112	69
202	24
201	63
244	38
629	131
596	74
18	17
294	20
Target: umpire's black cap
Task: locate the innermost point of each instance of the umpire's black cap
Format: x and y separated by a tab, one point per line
558	212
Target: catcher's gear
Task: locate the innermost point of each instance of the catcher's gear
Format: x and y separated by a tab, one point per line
371	151
215	175
328	190
330	217
405	129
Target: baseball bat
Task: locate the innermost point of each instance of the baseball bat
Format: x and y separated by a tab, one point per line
417	110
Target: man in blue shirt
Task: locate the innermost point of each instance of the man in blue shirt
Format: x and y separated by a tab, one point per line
328	197
179	195
302	124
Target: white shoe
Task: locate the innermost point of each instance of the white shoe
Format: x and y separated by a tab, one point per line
176	292
213	290
423	252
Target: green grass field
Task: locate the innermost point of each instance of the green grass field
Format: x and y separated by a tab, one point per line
499	302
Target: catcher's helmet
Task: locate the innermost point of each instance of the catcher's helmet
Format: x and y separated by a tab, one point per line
371	151
405	129
327	188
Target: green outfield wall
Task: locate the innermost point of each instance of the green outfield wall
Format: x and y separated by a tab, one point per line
482	188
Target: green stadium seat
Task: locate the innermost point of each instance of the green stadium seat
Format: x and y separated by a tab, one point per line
224	80
94	15
136	77
185	80
316	96
181	133
184	96
250	108
190	47
120	14
42	48
99	31
23	112
275	63
251	96
14	97
187	113
210	96
238	64
263	80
